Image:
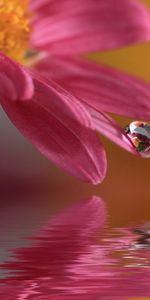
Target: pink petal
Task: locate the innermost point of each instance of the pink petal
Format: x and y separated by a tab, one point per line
15	83
109	128
102	88
59	244
99	88
61	129
63	27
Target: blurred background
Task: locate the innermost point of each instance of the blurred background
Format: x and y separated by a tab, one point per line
32	189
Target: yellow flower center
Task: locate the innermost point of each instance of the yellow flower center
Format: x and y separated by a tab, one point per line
14	28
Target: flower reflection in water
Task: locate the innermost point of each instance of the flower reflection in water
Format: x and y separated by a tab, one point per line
77	257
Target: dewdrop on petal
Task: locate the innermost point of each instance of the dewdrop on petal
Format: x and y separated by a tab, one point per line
139	134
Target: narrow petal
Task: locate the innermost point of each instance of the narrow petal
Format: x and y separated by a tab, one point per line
61	129
109	128
59	244
63	27
14	80
102	88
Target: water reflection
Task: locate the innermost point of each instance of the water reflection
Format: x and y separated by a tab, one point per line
77	256
132	245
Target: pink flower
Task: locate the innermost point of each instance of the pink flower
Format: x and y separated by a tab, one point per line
69	261
60	117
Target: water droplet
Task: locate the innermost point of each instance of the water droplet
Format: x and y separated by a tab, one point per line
139	134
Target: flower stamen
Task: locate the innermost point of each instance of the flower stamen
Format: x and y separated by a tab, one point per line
14	28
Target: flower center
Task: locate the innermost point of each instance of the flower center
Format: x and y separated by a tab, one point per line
14	28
